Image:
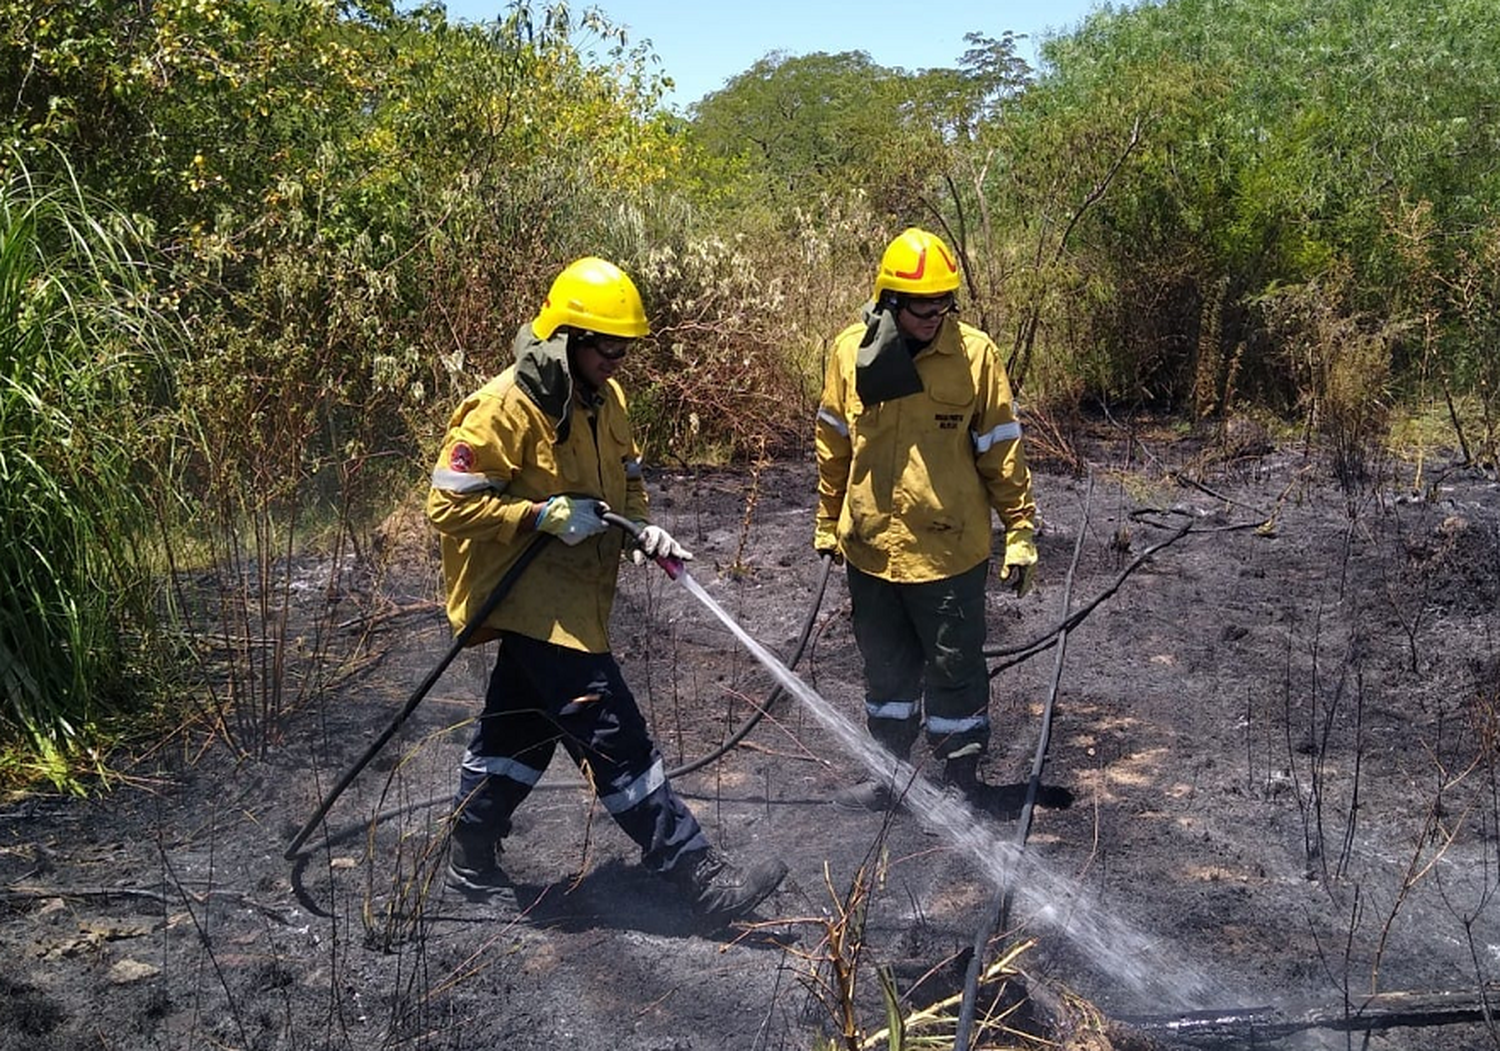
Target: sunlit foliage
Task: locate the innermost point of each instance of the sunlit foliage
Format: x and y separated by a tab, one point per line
328	217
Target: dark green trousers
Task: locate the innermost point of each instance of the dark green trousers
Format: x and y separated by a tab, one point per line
923	650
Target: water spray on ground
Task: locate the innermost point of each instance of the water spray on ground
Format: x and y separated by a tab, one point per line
1151	969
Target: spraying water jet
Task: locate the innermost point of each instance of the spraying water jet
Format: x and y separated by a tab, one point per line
1051	897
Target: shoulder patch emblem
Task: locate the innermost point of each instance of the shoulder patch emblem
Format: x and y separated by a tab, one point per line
461	458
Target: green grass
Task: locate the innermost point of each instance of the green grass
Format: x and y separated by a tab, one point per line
79	344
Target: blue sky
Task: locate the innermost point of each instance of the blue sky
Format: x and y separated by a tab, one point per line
702	44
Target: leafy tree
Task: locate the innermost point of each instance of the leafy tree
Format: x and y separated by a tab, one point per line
1308	127
803	126
358	206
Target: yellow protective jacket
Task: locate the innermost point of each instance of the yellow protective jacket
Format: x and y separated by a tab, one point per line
905	486
527	435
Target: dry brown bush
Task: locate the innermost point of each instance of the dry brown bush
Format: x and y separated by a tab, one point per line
1340	363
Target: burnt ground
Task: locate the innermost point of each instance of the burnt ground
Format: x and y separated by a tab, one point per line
1279	732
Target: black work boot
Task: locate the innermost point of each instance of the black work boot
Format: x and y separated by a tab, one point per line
867	795
719	891
473	868
961	782
962	772
877	794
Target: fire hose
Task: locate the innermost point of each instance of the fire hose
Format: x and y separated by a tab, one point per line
673	569
998	915
459	641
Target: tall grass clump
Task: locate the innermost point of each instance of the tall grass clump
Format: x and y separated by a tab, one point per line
1340	363
79	352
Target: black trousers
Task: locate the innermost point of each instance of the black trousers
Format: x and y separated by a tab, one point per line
542	695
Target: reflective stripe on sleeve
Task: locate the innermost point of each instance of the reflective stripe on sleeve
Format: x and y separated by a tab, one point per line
450	481
833	420
957	726
1004	433
900	711
622	799
501	766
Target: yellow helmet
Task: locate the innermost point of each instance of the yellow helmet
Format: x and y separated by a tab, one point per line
917	263
595	295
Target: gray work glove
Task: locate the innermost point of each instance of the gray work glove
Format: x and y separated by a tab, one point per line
655	542
572	519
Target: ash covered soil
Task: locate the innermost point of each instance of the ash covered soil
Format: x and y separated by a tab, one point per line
1278	731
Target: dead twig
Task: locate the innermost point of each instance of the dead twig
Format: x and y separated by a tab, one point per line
805	757
26	892
395	612
1046	641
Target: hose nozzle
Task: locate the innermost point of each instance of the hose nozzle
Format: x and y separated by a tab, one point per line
673	567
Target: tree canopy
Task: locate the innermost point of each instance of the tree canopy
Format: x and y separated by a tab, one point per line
335	214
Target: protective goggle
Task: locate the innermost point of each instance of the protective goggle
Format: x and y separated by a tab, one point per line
607	348
927	309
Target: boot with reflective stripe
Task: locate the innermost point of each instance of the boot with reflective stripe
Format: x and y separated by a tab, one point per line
719	891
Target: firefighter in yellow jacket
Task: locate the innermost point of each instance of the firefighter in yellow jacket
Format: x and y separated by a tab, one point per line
917	443
541	452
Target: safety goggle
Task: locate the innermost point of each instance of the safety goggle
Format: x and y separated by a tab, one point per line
927	309
608	349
